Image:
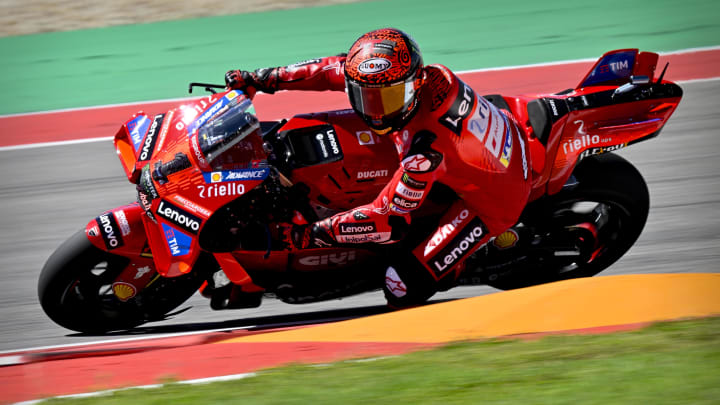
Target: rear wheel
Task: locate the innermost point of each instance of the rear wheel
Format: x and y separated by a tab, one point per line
75	290
576	233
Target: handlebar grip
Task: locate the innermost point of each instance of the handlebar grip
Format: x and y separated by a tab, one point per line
162	170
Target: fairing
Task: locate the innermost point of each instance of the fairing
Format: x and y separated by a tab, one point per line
207	154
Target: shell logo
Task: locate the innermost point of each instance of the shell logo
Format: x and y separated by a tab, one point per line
506	239
124	291
216	177
365	138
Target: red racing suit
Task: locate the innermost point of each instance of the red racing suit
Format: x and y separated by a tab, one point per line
455	137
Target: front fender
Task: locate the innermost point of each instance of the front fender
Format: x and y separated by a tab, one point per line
120	231
127	231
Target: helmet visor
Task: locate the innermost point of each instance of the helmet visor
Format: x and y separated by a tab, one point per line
377	102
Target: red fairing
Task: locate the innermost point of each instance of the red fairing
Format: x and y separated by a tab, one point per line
119	231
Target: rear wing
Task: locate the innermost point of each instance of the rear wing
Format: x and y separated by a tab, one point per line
618	66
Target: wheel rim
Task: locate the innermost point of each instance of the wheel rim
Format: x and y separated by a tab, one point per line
582	232
91	292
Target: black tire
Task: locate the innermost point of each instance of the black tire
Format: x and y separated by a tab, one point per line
623	201
419	284
74	290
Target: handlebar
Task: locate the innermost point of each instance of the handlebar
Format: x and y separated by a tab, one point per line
207	86
162	170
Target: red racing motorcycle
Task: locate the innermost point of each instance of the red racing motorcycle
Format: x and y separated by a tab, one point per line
217	187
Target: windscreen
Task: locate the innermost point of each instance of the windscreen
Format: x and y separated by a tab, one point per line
228	129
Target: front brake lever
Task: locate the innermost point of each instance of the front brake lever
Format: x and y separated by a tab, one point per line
207	86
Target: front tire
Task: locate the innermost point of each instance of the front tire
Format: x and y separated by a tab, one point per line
75	290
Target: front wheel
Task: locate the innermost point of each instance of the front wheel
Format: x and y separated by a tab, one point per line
75	290
576	233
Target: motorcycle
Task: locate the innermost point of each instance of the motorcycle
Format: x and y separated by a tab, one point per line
216	187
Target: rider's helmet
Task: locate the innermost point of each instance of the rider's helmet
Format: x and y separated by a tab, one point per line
383	73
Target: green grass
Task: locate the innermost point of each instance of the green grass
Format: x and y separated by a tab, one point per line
667	363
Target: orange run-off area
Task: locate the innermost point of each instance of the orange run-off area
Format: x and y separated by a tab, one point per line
588	305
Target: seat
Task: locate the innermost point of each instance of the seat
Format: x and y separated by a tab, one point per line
540	120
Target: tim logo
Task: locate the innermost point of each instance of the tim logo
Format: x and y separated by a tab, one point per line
614	66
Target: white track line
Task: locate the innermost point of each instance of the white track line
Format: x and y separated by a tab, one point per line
106	392
124	340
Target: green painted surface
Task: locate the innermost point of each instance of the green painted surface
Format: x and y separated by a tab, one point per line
156	61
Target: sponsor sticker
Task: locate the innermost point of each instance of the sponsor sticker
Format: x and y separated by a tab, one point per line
123	222
366	238
94	231
507	149
403	203
506	239
394	284
333	259
236	175
141	271
294	66
109	231
209	113
455	117
148	145
374	65
463	244
137	128
524	157
417	163
408	193
398	210
178	242
410	182
365	137
179	217
445	231
371	174
231	189
357	228
328	143
600	150
192	206
124	291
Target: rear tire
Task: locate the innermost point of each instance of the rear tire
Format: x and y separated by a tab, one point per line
622	204
74	290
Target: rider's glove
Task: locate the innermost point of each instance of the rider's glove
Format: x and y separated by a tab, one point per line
265	80
238	79
310	236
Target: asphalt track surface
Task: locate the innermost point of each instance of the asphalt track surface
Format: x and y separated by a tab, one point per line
48	193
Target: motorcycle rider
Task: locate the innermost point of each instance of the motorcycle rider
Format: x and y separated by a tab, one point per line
445	135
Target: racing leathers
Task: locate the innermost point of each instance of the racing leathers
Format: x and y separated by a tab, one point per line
455	138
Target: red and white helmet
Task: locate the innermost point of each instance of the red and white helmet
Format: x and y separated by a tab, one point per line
383	73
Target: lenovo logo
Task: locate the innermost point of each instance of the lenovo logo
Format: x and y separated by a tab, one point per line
463	244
